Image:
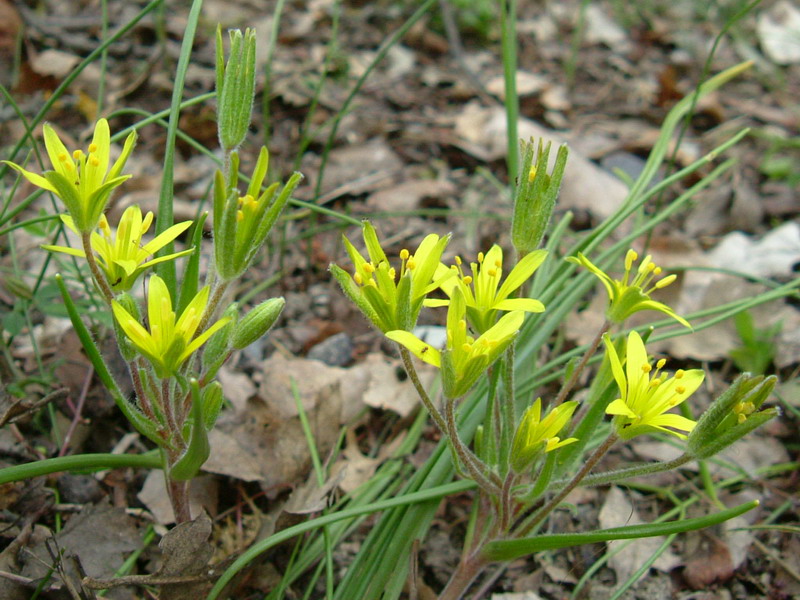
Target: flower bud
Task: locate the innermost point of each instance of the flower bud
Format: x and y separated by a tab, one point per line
535	195
126	348
219	345
732	415
257	322
235	87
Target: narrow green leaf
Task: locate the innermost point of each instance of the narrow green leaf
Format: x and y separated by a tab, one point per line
198	449
511	549
191	272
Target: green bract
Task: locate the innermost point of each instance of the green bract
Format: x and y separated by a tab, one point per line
390	301
464	359
83	181
627	297
645	397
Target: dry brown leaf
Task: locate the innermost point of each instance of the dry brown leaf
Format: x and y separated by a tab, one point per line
617	511
186	551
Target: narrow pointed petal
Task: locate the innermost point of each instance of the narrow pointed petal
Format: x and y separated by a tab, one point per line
420	349
521	272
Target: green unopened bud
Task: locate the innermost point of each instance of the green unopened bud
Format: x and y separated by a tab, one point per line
536	195
257	322
211	399
218	347
236	84
732	415
126	348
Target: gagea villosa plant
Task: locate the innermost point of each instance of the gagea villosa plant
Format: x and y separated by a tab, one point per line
163	335
527	455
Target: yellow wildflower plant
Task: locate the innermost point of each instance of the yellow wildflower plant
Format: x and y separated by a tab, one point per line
122	256
464	358
82	180
482	291
646	395
627	296
169	342
390	300
536	435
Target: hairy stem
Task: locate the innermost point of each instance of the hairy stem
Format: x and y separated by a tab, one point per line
437	417
97	273
468	569
590	350
590	463
473	464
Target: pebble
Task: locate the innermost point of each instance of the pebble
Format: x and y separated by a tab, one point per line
336	351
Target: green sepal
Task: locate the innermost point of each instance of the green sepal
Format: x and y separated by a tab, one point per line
198	449
259	173
506	550
225	243
191	272
353	291
257	322
142	424
405	314
69	196
126	348
212	398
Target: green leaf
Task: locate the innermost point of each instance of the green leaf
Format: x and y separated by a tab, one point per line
191	273
511	549
198	449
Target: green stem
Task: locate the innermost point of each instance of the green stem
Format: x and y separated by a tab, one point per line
590	463
471	462
97	273
405	355
508	404
82	462
466	572
590	350
627	473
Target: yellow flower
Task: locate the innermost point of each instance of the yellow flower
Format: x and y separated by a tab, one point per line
464	359
389	301
646	396
169	342
627	297
482	290
536	435
83	181
123	258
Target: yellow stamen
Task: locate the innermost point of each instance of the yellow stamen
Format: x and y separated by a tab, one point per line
467	279
646	368
679	389
679	374
480	257
92	148
358	279
369	269
411	264
404	254
532	175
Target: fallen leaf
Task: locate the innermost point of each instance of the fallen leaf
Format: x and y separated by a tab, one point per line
185	550
617	511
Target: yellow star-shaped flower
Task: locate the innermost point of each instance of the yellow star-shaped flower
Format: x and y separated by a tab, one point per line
483	292
83	181
169	342
123	257
647	395
464	359
535	435
390	301
626	296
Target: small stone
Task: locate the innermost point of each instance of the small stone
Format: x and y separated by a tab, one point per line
335	351
79	489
